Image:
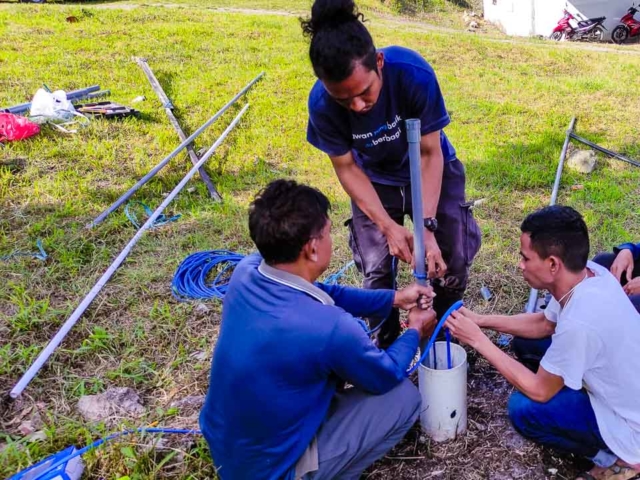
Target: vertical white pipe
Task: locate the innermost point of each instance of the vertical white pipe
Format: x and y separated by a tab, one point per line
533	295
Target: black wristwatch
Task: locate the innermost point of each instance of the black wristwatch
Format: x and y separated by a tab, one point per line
431	224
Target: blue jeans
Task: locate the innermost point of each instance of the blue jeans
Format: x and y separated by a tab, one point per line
566	423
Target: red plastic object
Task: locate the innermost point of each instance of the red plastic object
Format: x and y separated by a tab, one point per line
14	128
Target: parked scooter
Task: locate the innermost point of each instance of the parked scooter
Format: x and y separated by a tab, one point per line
590	30
630	27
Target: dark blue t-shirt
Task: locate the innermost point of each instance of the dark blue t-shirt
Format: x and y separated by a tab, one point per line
378	137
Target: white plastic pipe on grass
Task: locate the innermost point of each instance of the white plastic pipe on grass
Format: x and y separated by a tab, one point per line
68	325
166	160
533	295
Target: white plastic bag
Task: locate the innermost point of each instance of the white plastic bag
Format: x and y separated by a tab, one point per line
54	108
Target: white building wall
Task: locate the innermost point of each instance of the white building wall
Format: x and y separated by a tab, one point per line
515	17
539	17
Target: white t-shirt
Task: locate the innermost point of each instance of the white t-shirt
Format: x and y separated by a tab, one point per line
596	345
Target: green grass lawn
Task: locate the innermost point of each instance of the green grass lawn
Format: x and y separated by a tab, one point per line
510	105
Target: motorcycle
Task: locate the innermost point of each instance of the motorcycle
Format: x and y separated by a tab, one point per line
630	27
589	30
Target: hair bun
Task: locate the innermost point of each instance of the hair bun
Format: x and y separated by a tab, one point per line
328	14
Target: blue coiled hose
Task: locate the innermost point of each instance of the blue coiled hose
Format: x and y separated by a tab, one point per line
190	279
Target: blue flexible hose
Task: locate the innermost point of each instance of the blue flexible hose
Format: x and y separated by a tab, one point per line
100	441
161	220
190	279
335	278
41	255
452	308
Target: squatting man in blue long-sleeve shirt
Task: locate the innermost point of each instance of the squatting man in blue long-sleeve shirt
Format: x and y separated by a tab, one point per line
274	409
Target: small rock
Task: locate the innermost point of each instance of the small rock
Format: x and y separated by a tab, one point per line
474	25
189	405
191	189
583	161
577	187
513	440
201	355
26	428
115	401
201	310
139	99
553	471
38	436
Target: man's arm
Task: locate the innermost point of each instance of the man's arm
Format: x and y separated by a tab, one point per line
525	325
361	302
540	386
352	356
360	189
432	168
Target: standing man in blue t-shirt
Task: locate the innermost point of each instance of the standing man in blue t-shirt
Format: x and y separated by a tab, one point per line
357	113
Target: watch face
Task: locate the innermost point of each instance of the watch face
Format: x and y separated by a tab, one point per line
431	224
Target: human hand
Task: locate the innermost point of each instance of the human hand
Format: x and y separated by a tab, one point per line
436	268
633	287
464	329
400	242
623	263
423	321
414	295
473	316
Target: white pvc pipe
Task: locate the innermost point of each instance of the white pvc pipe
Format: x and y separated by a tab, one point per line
533	295
77	313
166	160
444	393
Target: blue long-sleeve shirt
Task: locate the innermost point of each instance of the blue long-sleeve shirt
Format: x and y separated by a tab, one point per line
284	344
634	247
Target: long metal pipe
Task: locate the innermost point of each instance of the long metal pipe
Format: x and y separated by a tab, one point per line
77	313
168	108
533	295
604	150
166	160
74	95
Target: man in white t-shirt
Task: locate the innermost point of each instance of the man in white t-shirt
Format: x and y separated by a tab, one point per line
585	396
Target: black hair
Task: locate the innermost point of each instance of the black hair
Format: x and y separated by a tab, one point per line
559	231
283	217
339	40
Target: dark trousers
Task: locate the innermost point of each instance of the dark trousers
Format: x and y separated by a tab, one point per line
530	351
458	237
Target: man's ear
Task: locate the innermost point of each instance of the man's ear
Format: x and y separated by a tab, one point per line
380	61
310	250
554	264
